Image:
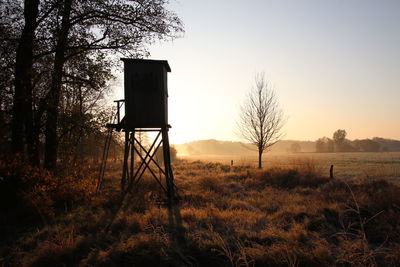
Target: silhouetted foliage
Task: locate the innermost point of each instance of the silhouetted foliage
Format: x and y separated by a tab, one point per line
61	52
366	145
295	148
339	138
387	144
324	144
341	144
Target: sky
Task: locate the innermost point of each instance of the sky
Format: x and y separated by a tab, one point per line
333	64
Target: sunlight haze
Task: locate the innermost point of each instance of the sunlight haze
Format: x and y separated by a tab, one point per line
333	65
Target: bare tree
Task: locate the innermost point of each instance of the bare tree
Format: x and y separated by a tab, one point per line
261	120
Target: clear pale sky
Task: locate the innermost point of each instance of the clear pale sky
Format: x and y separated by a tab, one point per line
334	64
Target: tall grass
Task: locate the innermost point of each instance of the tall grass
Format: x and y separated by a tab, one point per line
227	216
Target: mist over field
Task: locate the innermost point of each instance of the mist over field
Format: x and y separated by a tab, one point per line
216	147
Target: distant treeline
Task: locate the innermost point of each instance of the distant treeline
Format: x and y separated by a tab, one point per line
325	144
339	143
375	144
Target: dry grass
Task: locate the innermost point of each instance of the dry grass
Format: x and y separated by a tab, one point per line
349	165
227	216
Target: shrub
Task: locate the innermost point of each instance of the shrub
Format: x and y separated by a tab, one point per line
35	193
288	179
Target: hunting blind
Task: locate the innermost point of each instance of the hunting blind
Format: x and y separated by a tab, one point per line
146	110
146	93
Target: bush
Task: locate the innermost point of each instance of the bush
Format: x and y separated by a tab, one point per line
288	179
34	193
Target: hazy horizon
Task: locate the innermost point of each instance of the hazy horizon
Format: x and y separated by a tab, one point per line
333	64
295	140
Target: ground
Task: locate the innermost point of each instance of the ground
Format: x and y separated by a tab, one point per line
354	165
226	216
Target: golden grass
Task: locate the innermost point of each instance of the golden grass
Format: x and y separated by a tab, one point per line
349	165
227	216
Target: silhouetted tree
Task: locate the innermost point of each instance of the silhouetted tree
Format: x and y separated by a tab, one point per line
102	25
8	42
324	145
22	122
261	119
339	137
330	145
295	148
366	145
387	144
320	146
69	31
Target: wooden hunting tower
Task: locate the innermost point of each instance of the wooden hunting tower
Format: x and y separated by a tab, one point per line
146	93
146	110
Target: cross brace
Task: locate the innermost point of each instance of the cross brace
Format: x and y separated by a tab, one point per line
131	176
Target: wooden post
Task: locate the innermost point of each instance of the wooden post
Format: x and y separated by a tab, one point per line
169	176
125	164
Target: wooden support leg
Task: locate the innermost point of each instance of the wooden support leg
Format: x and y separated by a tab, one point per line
125	165
169	177
132	143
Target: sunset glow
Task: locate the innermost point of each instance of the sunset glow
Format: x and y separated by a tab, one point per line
333	64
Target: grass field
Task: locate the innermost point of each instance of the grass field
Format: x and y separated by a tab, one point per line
346	165
226	216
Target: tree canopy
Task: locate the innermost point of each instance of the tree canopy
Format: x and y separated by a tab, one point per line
57	59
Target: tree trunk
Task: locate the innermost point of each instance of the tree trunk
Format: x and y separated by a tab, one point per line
51	145
260	152
36	134
22	120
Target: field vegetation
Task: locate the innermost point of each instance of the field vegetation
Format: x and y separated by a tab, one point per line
348	166
226	216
